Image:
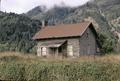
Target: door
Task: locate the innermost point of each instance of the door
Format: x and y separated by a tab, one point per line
53	51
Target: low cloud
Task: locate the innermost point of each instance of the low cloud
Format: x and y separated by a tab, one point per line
22	6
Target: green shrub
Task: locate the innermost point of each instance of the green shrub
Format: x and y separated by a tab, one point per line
107	43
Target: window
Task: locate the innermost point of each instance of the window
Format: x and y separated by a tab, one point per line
70	50
44	51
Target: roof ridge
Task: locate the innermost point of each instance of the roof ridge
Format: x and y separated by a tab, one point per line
68	24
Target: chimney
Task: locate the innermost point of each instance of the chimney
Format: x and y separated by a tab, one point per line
43	24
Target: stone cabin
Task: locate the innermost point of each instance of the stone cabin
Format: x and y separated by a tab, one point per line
68	40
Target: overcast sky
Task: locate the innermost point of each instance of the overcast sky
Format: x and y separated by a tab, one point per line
22	6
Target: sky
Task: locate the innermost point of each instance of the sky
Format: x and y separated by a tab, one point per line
22	6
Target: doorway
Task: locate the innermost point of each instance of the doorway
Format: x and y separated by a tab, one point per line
53	51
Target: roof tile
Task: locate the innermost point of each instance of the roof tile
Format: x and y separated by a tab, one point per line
64	30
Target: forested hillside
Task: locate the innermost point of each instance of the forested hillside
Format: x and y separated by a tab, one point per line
16	32
111	8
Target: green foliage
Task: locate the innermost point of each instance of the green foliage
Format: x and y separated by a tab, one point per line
60	71
16	32
107	43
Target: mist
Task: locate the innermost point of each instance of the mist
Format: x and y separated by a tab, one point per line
23	6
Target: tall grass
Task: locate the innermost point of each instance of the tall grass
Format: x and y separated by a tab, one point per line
15	56
16	67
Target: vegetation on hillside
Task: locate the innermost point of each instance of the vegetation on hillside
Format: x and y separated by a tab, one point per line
16	32
110	8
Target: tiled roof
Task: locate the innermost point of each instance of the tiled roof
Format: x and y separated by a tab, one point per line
64	30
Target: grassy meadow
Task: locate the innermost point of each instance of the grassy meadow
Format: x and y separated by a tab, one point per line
27	67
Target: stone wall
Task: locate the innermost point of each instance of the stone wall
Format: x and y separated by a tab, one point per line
70	41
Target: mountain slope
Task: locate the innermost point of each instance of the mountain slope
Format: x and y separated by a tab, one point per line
86	11
111	8
16	32
35	11
102	11
53	16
